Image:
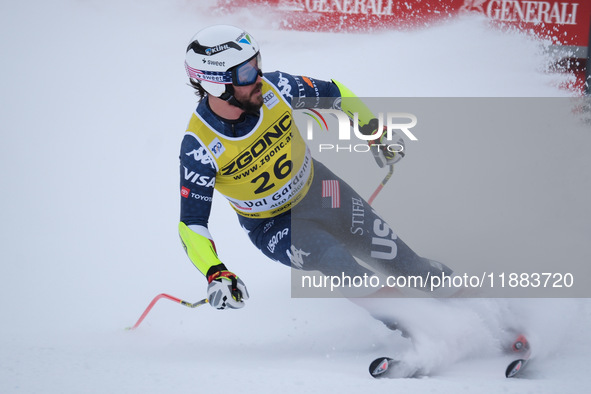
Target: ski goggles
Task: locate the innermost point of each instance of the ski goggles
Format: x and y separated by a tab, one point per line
246	73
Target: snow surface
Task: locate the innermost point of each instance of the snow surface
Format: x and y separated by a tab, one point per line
94	104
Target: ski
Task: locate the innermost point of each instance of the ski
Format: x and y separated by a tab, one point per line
386	367
515	367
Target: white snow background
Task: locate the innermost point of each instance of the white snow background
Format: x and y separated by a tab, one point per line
94	106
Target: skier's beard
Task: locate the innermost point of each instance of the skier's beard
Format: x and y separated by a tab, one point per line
252	101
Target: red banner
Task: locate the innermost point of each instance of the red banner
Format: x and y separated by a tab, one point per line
565	22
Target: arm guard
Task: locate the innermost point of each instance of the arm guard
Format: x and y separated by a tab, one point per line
369	125
350	104
200	248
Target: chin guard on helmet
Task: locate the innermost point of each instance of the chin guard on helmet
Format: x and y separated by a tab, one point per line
228	96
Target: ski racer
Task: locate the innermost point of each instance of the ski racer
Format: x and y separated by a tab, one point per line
228	134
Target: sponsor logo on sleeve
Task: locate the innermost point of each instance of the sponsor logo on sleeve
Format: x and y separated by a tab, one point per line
200	155
201	197
198	179
185	192
284	86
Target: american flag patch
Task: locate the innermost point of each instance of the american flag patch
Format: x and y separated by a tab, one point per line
331	194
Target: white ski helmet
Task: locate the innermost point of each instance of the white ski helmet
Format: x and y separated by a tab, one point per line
213	54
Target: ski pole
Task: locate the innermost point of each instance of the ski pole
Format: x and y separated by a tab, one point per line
382	184
168	297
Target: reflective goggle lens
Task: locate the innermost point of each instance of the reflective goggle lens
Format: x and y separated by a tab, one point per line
247	72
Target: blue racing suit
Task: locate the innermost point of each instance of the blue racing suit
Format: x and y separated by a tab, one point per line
335	232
